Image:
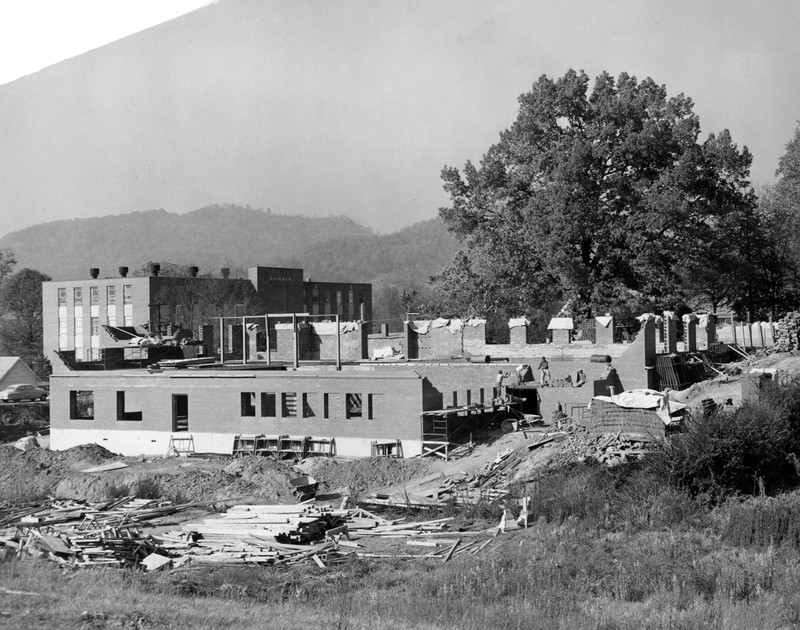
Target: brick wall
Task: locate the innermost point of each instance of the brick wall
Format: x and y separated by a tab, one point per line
215	402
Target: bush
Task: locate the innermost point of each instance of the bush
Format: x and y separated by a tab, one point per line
743	451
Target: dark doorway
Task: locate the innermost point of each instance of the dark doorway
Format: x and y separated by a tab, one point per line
180	412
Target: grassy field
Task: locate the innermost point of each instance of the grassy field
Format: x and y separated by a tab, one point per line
606	567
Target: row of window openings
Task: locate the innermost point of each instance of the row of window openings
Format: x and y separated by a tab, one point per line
94	295
81	404
340	304
354	405
94	326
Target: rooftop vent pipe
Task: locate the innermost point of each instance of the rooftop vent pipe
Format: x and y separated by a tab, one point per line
123	272
225	272
193	271
155	269
94	272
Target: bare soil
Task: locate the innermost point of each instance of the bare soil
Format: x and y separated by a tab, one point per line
39	472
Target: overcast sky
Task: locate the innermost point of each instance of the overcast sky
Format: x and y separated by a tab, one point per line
398	89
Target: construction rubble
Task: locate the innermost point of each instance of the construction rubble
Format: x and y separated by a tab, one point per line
76	534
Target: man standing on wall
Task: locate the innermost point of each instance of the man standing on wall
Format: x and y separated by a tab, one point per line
498	384
544	366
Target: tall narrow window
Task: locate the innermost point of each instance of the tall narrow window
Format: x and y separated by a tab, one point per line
62	334
248	402
289	405
326	406
268	405
62	296
94	323
77	296
127	301
94	296
78	337
309	403
111	305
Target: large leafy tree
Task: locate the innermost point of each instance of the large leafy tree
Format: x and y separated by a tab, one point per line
602	197
21	318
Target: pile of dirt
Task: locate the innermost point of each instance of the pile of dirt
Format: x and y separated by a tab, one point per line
358	476
40	473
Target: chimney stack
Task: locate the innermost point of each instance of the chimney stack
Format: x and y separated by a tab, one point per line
94	272
193	271
155	268
225	272
123	272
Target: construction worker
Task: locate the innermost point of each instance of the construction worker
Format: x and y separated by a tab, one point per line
498	384
544	378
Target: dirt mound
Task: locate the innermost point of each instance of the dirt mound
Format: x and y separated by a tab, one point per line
27	475
364	474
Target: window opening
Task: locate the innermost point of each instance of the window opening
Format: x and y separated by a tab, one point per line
268	405
353	406
81	405
123	413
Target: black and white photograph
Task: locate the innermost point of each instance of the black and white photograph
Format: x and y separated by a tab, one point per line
418	315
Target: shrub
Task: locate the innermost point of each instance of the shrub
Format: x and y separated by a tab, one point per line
741	451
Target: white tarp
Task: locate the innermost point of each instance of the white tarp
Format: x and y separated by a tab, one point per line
516	322
420	326
383	353
455	326
604	320
561	323
646	399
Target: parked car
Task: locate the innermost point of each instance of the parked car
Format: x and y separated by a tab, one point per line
23	392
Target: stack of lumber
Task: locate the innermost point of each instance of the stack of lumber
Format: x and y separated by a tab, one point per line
787	333
301	523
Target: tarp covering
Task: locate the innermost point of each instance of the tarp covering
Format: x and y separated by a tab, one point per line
561	323
475	321
646	399
420	326
516	322
329	328
604	320
650	317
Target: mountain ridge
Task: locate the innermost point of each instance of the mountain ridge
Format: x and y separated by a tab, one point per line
335	248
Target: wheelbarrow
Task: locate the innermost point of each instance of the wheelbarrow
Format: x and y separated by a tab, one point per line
524	421
304	488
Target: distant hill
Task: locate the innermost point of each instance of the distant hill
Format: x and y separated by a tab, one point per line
328	248
404	258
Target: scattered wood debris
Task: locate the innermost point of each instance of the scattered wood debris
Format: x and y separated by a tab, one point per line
75	534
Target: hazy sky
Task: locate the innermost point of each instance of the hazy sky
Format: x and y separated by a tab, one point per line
354	106
38	33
